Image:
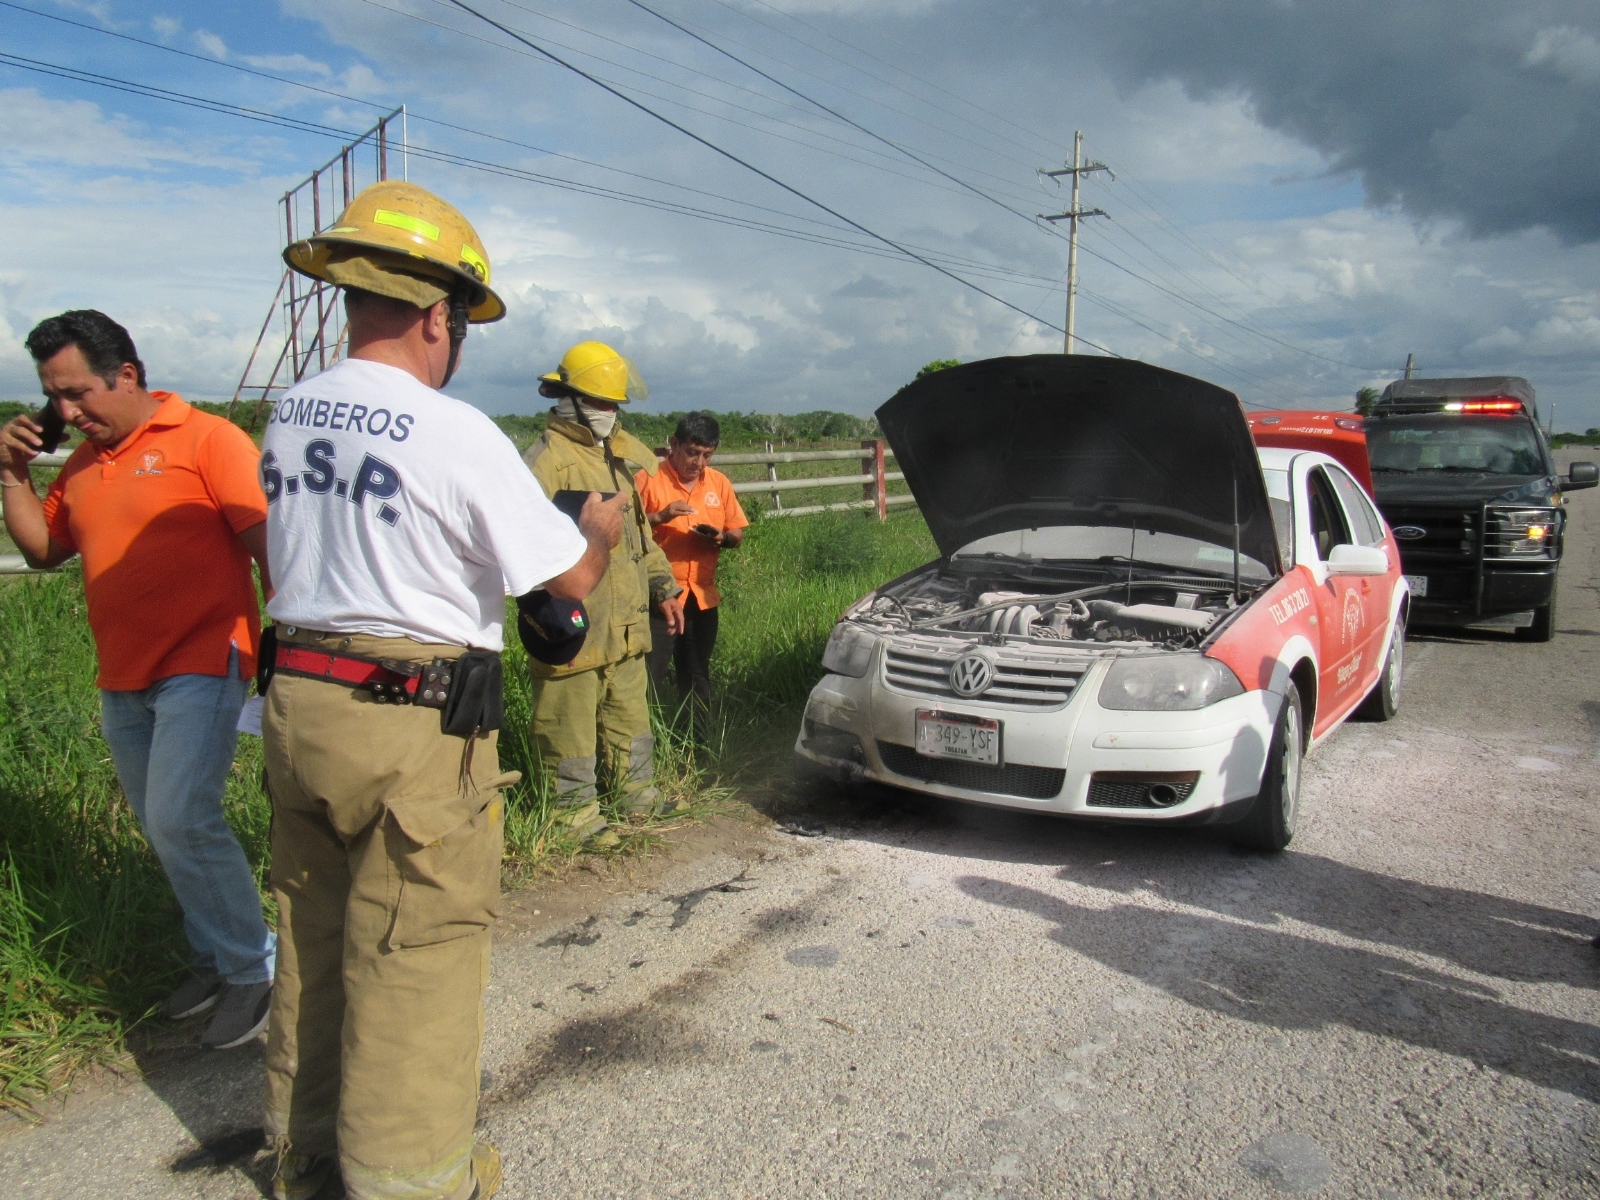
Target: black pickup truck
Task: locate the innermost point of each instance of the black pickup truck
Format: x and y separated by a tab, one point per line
1464	476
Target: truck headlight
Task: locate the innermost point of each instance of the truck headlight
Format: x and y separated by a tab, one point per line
1531	533
1167	683
849	650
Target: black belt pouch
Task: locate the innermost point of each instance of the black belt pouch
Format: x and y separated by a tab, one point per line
476	703
266	659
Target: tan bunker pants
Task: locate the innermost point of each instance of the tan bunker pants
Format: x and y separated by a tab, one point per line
592	728
386	845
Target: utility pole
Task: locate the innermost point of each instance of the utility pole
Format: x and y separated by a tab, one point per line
1073	215
1411	361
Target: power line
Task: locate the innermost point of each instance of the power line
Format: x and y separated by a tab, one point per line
734	158
810	100
902	251
925	256
286	81
1178	233
938	90
716	116
1075	171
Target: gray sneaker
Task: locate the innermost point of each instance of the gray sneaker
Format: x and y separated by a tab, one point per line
194	995
242	1014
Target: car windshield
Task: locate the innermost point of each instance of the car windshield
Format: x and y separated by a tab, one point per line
1449	442
1109	544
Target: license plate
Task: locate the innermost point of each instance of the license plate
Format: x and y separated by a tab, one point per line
1418	584
955	735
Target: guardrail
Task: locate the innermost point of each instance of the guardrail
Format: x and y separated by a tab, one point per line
873	479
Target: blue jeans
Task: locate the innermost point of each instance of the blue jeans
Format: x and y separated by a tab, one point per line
173	746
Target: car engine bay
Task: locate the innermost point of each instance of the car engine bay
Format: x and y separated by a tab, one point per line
1166	613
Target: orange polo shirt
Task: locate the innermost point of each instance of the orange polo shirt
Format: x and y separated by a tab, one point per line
693	558
168	584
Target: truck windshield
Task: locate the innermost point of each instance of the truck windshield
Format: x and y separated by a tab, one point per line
1451	442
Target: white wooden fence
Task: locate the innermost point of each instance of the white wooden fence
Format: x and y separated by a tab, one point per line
873	480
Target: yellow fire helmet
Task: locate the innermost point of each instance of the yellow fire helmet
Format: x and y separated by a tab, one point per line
595	370
401	241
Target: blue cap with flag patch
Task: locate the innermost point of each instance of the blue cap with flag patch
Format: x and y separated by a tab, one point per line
552	630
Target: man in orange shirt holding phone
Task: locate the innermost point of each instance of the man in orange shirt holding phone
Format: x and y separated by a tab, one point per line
694	516
164	504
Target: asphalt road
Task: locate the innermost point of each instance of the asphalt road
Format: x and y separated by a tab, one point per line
937	1001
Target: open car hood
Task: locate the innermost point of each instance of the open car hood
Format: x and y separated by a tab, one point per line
1050	439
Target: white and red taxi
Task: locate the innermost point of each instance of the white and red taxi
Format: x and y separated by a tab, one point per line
1137	615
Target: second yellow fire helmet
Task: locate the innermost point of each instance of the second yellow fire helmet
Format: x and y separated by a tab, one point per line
399	240
595	370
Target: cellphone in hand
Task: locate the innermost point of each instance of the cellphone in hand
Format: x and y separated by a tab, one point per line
52	428
571	501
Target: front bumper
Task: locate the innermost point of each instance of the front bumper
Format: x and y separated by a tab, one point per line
861	728
1503	591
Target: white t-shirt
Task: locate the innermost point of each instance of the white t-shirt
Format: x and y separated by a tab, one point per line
394	510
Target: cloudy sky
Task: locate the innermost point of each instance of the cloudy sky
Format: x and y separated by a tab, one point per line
1302	194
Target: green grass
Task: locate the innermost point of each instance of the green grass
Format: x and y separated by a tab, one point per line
90	936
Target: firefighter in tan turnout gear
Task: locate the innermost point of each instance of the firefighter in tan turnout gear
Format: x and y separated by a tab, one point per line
591	717
398	520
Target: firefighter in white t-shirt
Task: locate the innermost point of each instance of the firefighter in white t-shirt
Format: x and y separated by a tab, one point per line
398	521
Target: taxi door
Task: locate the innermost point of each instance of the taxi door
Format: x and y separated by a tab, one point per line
1377	591
1342	612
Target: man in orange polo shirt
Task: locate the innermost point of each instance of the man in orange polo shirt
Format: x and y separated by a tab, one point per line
165	505
694	516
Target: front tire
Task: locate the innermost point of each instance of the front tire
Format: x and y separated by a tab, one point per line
1270	823
1383	702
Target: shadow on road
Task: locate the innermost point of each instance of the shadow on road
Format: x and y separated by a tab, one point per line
1198	866
1275	977
217	1097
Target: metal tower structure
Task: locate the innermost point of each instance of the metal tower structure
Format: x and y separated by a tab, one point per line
313	318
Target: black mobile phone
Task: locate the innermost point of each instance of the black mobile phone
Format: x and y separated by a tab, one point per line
571	501
52	428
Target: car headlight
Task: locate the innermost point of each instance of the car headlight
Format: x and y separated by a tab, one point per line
1167	683
849	650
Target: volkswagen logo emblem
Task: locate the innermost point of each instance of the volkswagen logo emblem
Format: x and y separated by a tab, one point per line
971	675
1410	533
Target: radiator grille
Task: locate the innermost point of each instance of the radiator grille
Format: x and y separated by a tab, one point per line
1449	535
1013	779
1023	678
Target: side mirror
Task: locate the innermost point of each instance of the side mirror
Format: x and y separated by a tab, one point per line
1358	560
1581	475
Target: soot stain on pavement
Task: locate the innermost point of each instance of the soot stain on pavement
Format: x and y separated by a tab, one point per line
657	1031
689	901
584	934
